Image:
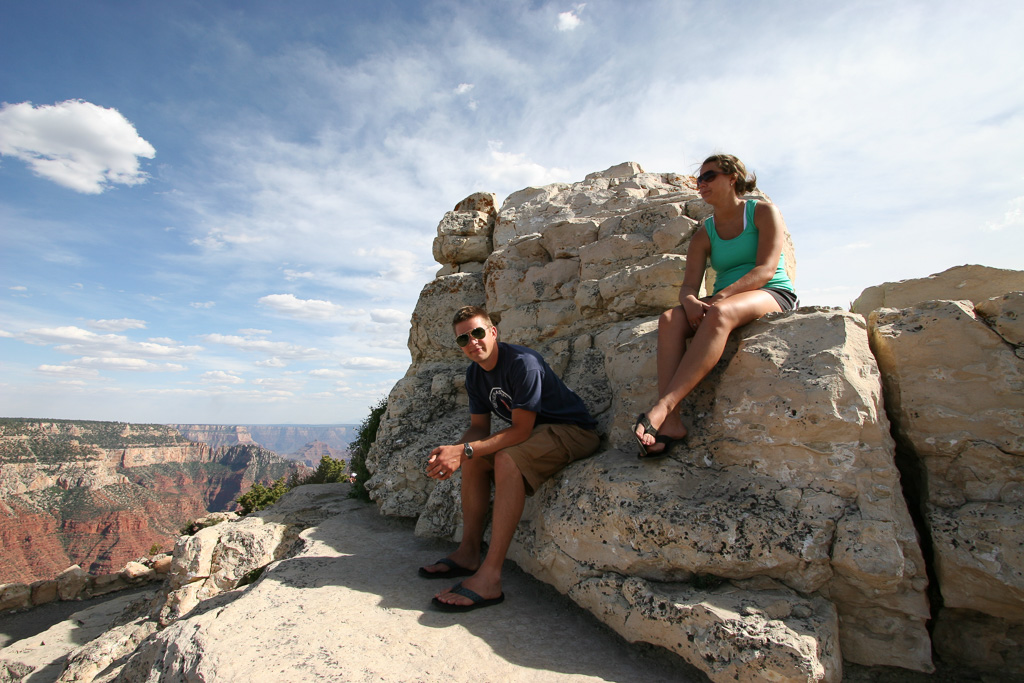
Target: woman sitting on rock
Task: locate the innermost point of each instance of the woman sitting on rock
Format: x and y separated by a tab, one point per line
744	240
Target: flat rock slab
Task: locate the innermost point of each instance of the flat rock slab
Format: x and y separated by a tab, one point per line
44	653
350	606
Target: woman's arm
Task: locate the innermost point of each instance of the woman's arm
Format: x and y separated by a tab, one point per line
696	263
771	235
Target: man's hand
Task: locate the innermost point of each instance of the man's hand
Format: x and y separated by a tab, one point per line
443	461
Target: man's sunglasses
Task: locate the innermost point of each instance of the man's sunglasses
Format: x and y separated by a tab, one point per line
477	333
708	176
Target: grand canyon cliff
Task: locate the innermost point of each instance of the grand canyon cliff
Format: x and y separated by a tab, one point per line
98	494
850	491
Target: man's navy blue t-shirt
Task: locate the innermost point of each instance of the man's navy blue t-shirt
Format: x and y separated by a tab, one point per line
523	379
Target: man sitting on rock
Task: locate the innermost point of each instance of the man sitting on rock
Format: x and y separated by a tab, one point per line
549	428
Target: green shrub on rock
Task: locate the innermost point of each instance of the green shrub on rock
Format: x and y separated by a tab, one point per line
260	497
365	436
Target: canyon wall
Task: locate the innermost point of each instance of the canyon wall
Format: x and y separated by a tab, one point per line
99	494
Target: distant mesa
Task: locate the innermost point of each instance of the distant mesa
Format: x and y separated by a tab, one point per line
306	443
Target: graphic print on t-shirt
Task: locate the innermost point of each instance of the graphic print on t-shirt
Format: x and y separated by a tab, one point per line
501	403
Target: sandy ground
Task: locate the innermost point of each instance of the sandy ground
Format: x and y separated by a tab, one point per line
351	607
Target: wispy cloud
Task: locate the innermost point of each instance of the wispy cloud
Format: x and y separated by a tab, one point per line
308	309
77	144
274	349
129	364
389	316
221	377
1013	218
119	325
75	340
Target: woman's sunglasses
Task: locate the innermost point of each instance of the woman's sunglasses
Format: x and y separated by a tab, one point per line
477	333
708	176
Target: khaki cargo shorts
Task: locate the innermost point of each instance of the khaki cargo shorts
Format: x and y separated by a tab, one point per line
549	449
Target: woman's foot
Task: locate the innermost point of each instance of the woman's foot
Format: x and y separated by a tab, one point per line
666	428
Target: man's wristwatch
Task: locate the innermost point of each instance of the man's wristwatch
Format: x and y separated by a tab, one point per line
467	451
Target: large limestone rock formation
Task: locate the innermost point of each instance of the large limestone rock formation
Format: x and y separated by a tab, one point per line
954	384
777	543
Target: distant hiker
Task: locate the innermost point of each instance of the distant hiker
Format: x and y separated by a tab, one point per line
743	239
549	428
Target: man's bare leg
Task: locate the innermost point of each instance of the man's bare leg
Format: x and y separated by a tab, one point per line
509	501
476	498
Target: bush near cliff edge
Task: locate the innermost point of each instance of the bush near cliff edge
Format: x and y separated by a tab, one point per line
328	472
360	446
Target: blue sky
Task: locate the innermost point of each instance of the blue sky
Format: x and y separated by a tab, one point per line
222	212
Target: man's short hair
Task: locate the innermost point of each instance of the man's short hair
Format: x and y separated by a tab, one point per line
467	312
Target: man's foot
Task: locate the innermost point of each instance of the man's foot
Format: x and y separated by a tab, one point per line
480	588
445	568
476	601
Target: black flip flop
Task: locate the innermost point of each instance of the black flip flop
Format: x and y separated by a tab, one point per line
642	421
478	600
454	569
669	442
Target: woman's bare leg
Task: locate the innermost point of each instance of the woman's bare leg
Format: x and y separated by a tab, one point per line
673	332
700	356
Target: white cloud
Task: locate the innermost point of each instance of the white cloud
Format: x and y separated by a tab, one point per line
76	144
516	170
274	349
68	371
271	363
75	340
221	377
463	88
329	374
279	384
389	316
369	363
203	304
119	325
292	275
307	309
1014	216
18	288
569	21
128	364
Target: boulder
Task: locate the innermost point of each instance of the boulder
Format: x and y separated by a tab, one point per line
222	557
969	282
137	572
44	592
786	493
71	582
954	387
14	596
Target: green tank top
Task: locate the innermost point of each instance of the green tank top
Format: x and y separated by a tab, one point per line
732	259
